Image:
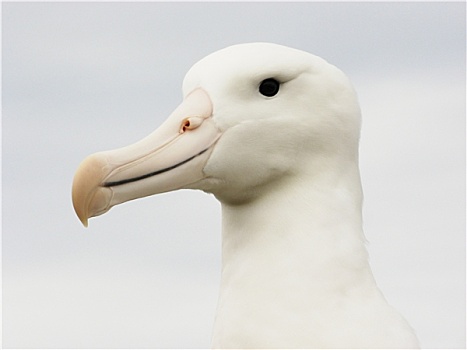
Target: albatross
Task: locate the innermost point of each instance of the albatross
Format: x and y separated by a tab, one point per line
272	132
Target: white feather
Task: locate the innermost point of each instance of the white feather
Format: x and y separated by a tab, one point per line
295	270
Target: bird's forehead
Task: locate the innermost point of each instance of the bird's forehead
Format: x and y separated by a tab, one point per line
249	62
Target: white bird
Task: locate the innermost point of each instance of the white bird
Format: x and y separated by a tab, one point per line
273	133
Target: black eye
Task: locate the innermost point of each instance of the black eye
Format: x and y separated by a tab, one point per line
269	87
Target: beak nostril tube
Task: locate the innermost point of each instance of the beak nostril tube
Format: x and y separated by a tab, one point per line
190	123
185	125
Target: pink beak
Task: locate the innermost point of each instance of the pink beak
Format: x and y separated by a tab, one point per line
170	158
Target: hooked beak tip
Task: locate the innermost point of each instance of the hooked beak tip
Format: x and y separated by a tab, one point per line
89	198
84	221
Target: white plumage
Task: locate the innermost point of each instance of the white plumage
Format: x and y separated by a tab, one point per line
284	165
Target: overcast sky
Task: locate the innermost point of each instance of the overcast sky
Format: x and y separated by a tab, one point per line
84	77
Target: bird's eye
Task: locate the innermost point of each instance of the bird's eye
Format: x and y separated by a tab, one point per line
269	87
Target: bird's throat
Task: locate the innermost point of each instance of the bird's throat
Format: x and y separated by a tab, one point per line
286	257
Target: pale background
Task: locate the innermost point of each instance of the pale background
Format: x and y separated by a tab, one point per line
84	77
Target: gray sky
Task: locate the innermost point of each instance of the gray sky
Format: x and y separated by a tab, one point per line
84	77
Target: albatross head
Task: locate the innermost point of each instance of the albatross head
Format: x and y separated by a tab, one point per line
252	115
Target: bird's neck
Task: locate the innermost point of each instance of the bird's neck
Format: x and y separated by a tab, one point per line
292	253
315	224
